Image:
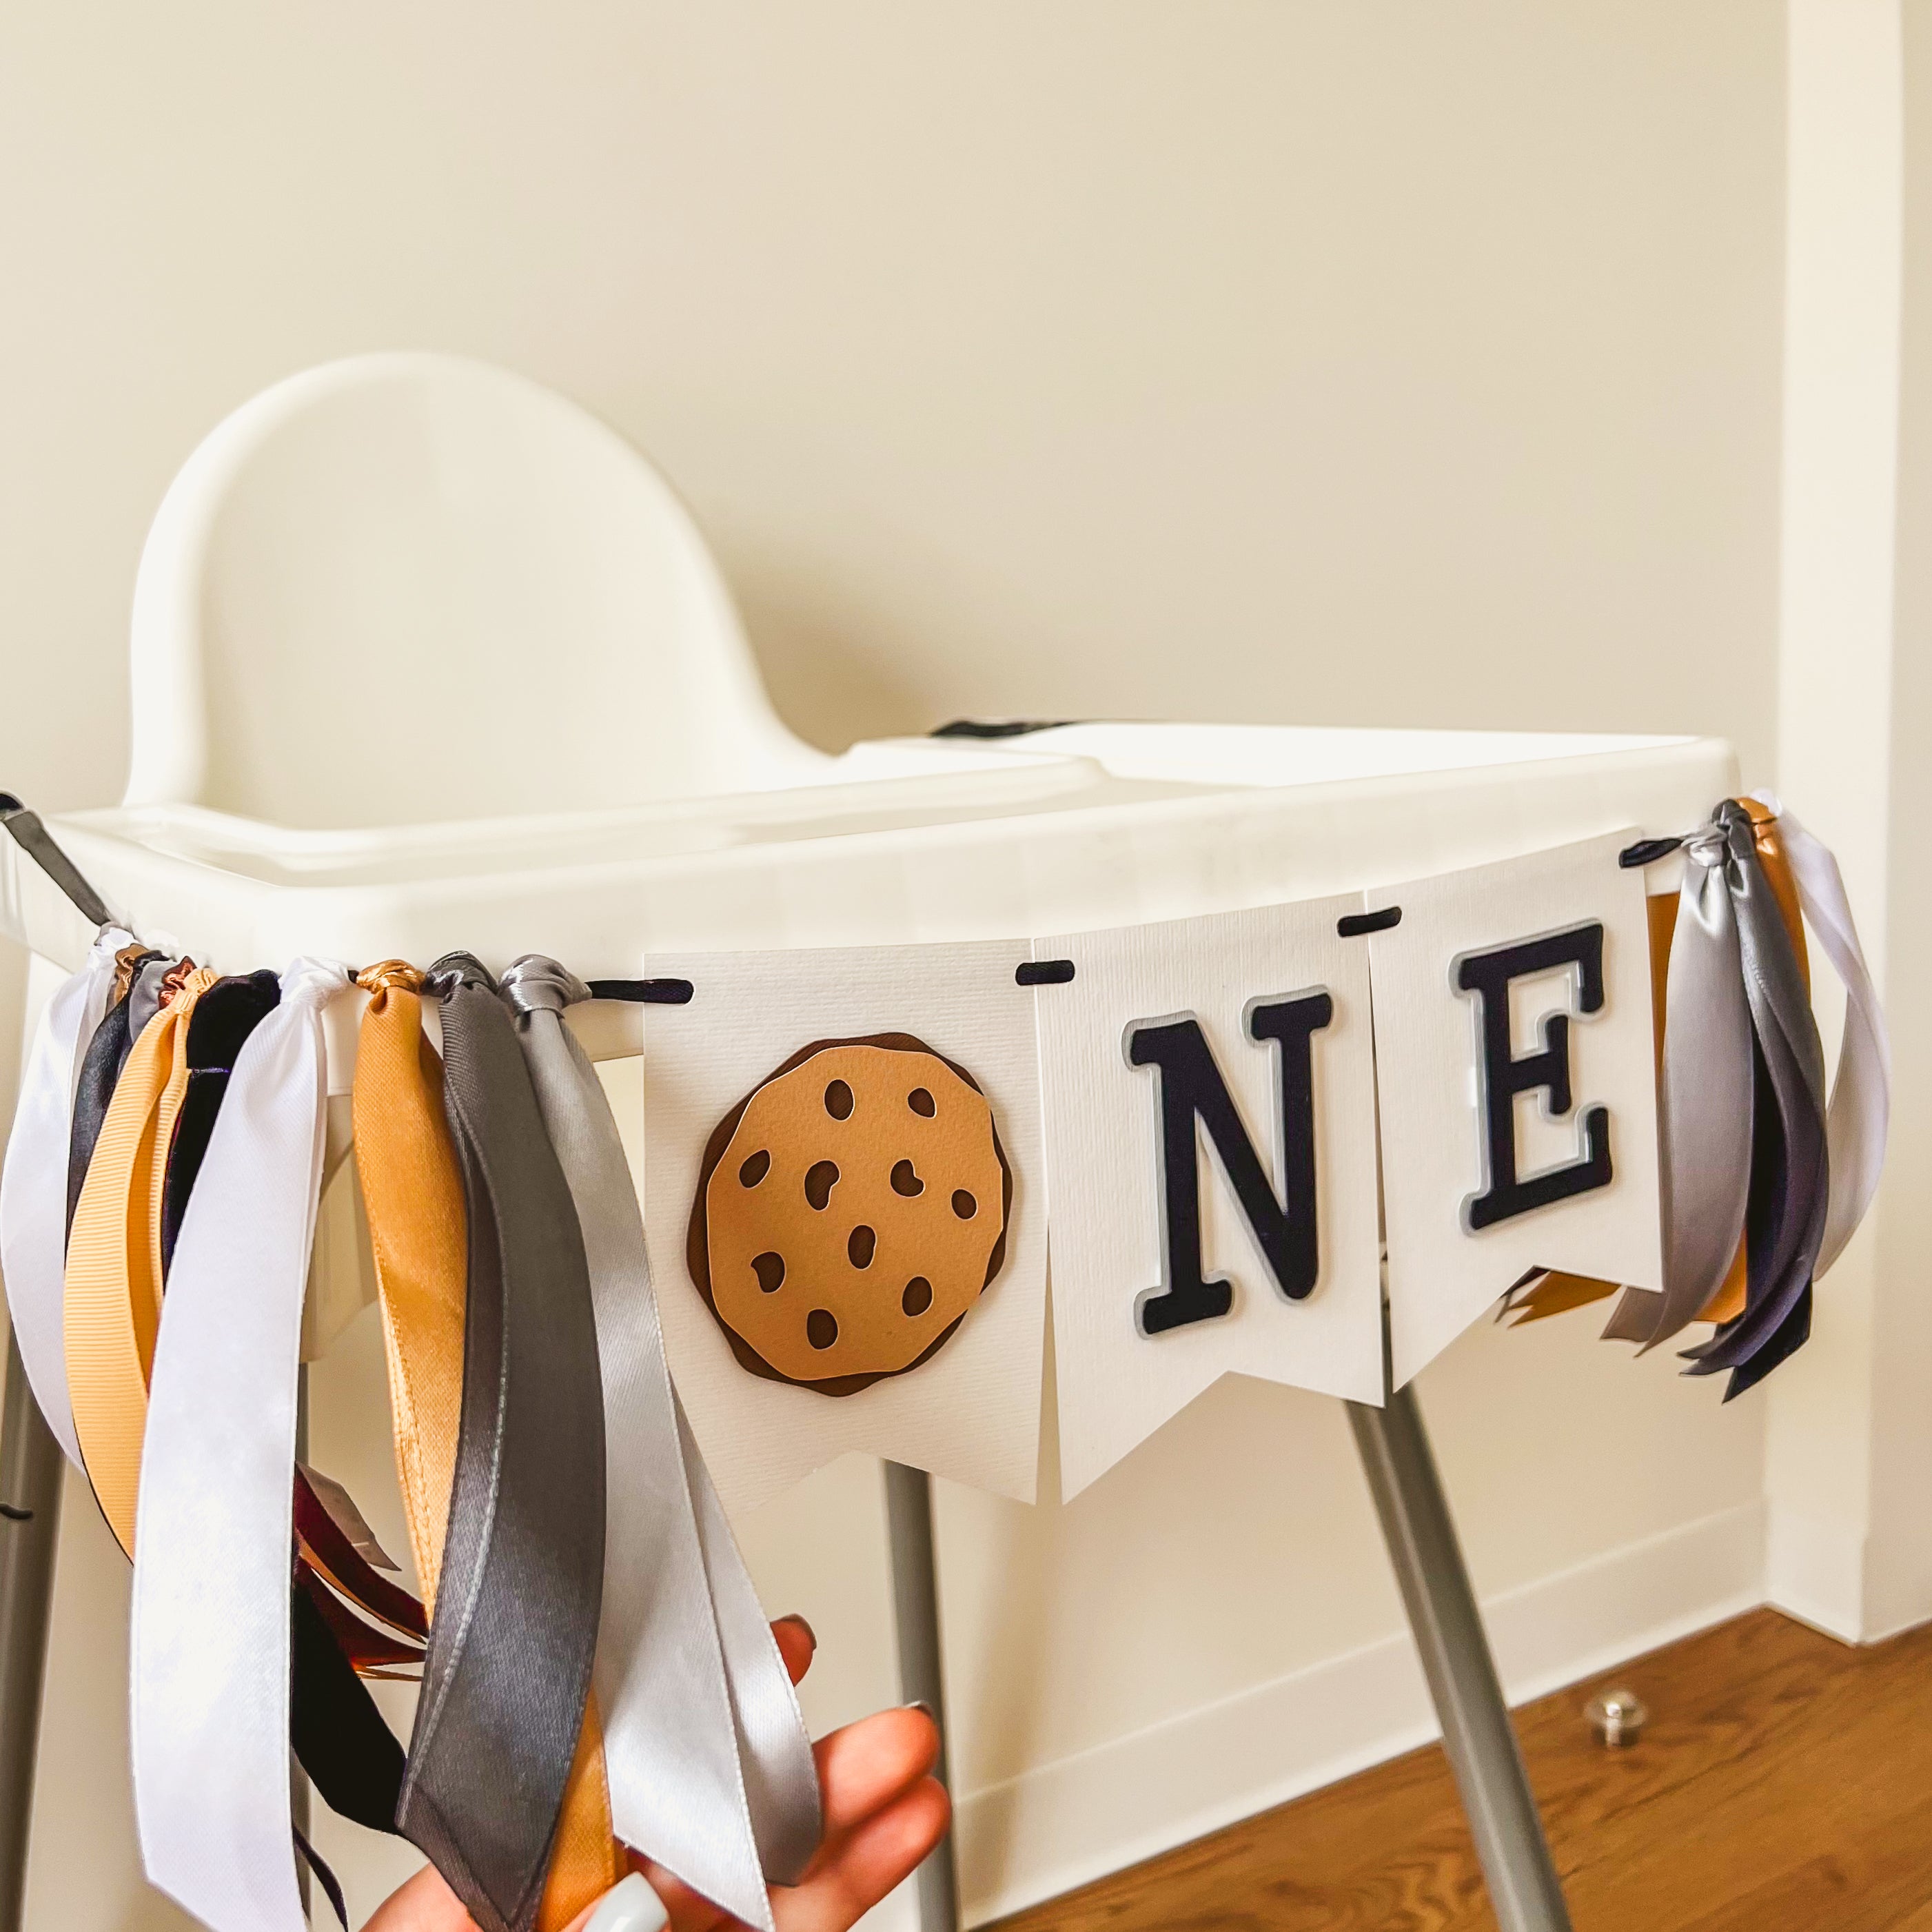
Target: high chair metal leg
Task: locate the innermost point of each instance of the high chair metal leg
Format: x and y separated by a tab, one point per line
298	1787
921	1677
1477	1733
30	1499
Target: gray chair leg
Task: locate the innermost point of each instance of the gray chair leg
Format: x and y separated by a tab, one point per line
916	1615
298	1787
30	1499
1477	1733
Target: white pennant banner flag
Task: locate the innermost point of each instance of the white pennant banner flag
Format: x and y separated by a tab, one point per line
1516	1061
1209	1090
842	1182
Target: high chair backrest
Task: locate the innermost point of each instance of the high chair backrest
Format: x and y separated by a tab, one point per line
411	588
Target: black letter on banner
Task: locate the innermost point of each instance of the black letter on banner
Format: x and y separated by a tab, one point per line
1191	1089
1505	1193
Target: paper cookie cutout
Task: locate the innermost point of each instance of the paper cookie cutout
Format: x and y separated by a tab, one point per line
850	1209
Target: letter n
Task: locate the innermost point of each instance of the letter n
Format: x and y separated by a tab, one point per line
1192	1090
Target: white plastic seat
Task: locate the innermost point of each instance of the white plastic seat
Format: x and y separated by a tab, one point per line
406	588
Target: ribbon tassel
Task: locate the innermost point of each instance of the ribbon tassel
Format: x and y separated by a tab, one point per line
499	1746
710	1768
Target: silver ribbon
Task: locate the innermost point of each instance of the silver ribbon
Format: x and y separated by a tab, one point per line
710	1768
1705	1103
1857	1119
144	996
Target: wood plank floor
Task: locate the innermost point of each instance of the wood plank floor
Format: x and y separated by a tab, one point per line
1784	1784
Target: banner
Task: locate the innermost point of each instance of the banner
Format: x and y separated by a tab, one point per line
846	1209
1237	1117
1210	1139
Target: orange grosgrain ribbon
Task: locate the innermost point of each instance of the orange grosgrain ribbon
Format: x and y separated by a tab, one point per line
113	1280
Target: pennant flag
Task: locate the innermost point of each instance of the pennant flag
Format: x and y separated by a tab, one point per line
1209	1097
842	1208
1515	1056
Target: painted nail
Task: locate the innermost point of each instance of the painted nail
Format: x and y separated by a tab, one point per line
631	1906
810	1635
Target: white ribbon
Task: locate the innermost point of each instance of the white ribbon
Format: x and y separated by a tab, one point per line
215	1532
33	1186
1859	1116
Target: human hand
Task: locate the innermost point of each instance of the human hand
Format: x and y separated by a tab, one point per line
884	1812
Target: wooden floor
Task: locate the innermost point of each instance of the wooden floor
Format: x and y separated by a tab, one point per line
1784	1784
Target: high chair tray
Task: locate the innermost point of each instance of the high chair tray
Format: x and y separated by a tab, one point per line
1064	828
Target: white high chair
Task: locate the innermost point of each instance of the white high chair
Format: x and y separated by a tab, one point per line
425	657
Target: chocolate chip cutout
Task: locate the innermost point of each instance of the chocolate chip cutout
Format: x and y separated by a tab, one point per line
791	1222
964	1205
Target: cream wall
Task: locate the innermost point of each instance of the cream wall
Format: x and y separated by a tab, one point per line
1211	359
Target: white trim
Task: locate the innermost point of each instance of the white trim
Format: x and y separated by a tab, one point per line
1065	1824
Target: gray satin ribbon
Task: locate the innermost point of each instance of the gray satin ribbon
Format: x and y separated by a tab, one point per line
144	995
1791	1182
507	1670
1704	1113
710	1768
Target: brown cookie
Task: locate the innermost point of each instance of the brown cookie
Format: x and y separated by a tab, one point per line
850	1209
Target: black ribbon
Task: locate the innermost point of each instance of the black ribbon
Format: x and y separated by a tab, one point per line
34	839
100	1073
351	1756
224	1017
507	1671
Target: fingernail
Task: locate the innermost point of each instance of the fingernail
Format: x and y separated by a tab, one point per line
631	1906
810	1635
920	1704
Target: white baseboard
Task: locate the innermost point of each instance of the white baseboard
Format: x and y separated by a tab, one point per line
1814	1570
1065	1824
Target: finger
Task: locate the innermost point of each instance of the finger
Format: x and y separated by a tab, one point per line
626	1907
866	1863
862	1770
424	1904
796	1644
690	1911
869	1764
